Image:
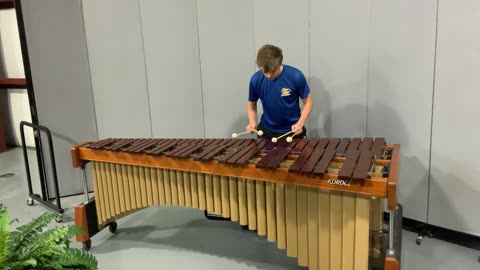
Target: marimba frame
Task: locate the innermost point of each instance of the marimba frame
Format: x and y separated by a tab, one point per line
373	186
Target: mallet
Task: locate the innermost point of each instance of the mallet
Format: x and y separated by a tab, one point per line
235	135
275	139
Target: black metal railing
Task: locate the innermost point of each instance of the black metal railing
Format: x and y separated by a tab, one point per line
45	198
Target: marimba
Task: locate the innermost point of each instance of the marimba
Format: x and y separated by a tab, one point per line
321	199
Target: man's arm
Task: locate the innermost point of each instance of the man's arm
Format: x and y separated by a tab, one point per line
252	116
307	109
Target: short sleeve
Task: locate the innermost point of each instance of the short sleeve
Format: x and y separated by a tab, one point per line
252	92
303	88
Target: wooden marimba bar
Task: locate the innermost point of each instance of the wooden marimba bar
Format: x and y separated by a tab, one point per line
321	199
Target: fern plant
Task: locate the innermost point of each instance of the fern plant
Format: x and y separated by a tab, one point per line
32	247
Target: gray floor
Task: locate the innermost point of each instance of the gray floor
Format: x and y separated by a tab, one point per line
181	238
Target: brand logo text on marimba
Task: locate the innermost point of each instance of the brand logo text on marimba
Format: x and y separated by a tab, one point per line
338	182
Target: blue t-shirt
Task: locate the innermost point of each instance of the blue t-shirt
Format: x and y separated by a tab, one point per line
280	97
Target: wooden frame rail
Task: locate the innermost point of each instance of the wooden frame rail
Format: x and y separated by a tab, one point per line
380	187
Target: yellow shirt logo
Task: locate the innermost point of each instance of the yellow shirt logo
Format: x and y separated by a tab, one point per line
285	92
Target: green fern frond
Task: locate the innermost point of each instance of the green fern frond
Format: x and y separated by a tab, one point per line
4	219
29	231
37	250
30	247
50	239
3	246
77	259
20	265
47	247
4	232
38	223
60	234
50	263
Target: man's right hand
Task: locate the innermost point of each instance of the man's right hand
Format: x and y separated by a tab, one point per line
251	127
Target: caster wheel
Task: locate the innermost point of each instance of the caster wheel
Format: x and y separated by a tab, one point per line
87	245
59	218
245	227
112	227
418	241
30	202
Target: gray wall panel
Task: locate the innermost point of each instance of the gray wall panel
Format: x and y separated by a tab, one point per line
400	85
277	28
227	62
454	185
338	66
117	66
61	79
173	67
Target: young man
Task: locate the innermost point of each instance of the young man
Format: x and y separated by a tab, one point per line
279	87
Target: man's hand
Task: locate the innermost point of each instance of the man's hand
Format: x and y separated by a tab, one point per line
251	127
297	128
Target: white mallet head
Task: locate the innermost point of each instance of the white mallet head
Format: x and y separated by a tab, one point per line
260	132
274	140
289	139
234	135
